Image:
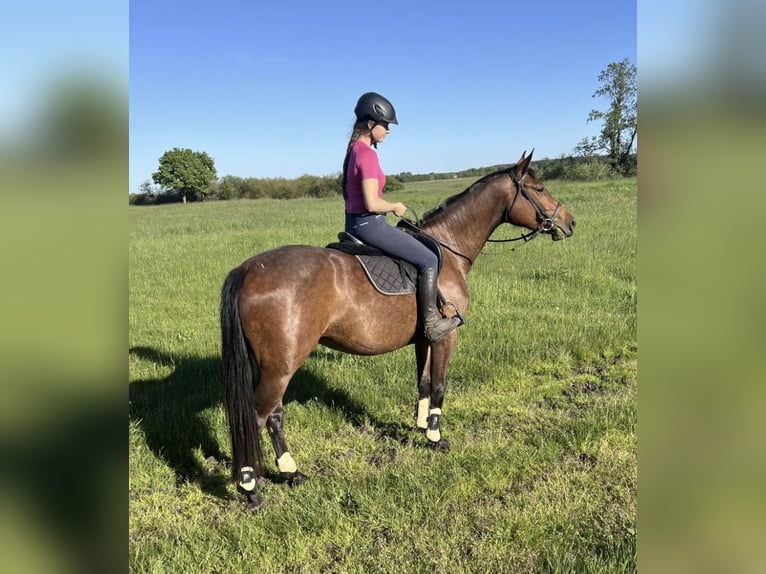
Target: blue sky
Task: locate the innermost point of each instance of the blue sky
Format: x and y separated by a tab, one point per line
268	88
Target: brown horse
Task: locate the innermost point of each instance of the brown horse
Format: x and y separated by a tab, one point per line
278	305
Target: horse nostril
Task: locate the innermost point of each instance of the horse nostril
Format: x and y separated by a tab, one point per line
574	223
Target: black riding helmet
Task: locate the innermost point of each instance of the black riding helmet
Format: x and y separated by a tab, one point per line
372	106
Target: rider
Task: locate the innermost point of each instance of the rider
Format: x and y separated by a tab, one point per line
363	182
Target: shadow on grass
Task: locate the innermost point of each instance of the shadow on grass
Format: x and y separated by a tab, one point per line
170	411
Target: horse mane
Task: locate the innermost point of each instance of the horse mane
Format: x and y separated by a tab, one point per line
458	197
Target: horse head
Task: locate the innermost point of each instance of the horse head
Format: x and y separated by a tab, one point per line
531	205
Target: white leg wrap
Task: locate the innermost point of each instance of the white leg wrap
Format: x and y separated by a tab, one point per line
434	435
422	421
286	463
247	478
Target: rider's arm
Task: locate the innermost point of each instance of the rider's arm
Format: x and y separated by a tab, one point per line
377	204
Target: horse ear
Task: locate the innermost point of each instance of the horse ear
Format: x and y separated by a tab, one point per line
519	167
523	163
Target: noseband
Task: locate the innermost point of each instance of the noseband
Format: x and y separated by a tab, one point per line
546	222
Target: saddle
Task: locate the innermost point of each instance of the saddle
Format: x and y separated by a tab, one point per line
389	275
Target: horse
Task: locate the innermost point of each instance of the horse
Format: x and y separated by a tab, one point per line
277	306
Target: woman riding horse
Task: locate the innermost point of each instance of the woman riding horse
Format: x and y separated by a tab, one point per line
363	183
277	306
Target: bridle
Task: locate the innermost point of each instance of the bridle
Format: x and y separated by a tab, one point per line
546	222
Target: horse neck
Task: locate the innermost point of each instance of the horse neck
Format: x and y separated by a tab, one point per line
465	224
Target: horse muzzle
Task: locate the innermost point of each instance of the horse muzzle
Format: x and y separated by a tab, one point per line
562	228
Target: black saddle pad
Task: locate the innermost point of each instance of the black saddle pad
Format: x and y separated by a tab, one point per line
391	276
388	275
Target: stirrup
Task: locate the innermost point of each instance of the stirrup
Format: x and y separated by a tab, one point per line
457	314
437	330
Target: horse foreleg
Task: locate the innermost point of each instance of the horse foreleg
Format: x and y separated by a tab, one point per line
422	358
285	462
439	359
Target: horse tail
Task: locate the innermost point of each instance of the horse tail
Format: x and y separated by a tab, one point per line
238	386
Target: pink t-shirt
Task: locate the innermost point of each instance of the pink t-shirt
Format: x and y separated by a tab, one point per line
362	164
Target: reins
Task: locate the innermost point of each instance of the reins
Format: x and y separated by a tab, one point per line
417	227
455	251
444	244
546	223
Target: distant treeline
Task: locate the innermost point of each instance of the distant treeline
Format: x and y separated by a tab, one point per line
233	187
567	168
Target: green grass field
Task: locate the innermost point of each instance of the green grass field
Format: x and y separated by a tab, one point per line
540	407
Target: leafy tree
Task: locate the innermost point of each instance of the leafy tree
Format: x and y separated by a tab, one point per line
617	83
146	187
186	173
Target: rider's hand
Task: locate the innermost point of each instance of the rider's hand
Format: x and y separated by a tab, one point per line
399	209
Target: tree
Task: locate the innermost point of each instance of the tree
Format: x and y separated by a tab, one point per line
185	172
146	187
617	83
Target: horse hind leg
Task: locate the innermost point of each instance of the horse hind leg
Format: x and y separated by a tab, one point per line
268	402
285	462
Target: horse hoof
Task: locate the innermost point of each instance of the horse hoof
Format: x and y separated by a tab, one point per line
294	479
255	501
440	446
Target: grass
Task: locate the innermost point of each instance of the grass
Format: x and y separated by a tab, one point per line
540	407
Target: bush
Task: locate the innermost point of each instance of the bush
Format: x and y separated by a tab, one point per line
313	186
154	198
574	168
393	184
590	169
169	197
252	188
232	187
228	187
141	199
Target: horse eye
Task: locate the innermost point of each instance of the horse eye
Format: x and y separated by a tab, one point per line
540	189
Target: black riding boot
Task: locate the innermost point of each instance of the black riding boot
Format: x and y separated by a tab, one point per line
434	324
